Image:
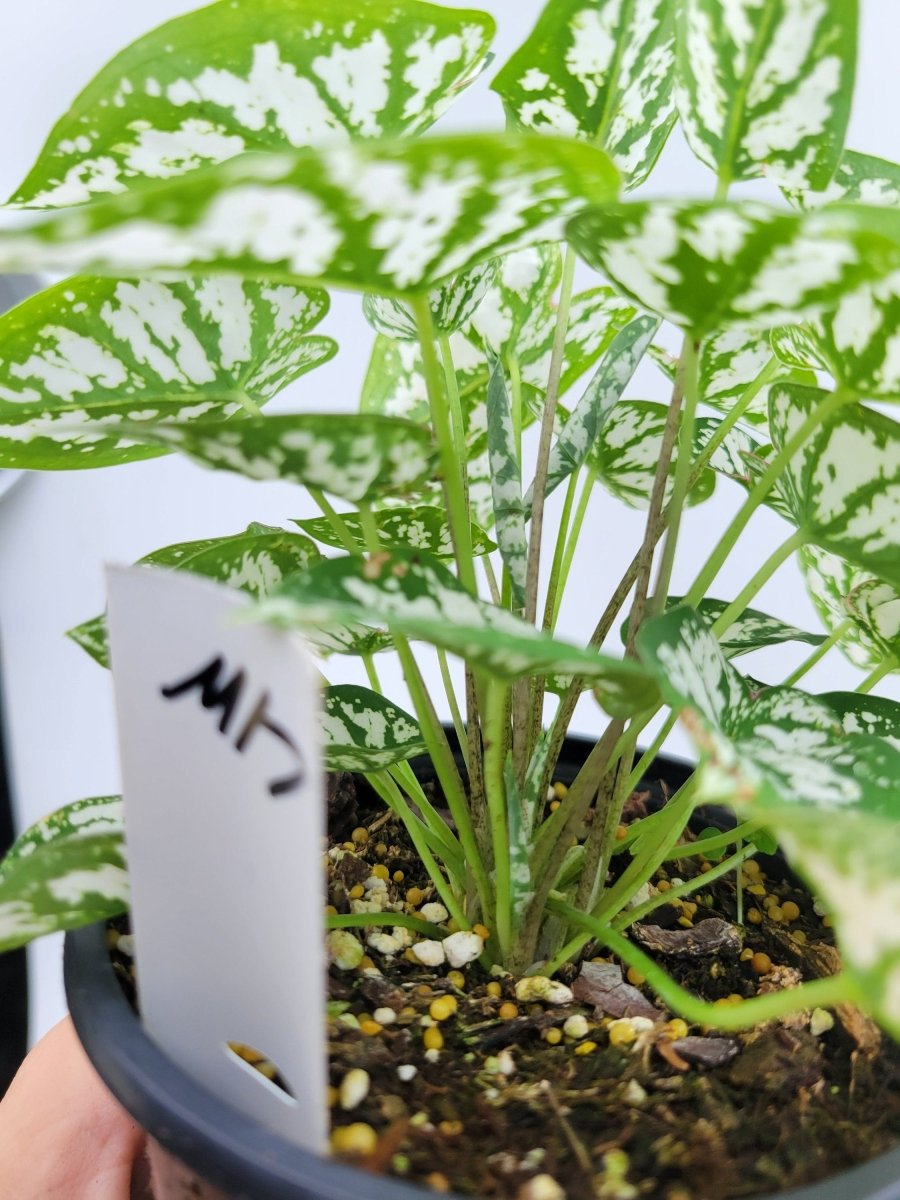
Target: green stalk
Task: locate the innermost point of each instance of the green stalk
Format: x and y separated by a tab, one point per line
361	920
778	556
555	584
446	843
885	668
338	525
689	886
819	652
456	716
456	413
646	759
715	842
495	793
572	543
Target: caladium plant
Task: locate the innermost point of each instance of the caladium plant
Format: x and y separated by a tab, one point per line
222	172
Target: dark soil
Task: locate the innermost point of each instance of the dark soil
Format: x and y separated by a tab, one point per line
499	1108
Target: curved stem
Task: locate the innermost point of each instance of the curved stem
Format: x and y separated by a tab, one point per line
885	668
572	543
819	652
779	555
715	842
361	920
727	865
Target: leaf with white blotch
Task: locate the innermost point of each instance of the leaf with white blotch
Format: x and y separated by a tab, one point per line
843	484
603	393
875	715
96	352
830	582
707	265
416	596
521	884
257	75
625	454
730	364
602	72
859	343
752	630
875	607
350	455
506	484
764	86
361	731
422	528
254	561
795	346
732	456
859	177
361	215
522	289
452	305
830	796
65	871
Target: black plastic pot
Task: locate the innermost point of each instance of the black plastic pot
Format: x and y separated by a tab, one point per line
202	1149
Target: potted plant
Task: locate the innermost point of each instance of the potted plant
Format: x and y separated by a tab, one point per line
210	181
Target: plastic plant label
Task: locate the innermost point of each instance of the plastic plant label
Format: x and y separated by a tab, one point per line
224	821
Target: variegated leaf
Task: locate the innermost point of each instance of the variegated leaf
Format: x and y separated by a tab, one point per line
733	456
364	732
65	871
603	72
416	596
452	305
730	364
96	352
752	630
830	581
255	561
859	342
875	715
625	454
522	289
387	217
764	86
708	265
257	75
422	528
831	797
796	346
603	393
859	177
349	455
843	485
875	607
506	483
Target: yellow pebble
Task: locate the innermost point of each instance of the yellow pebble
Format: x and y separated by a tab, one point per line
507	1011
746	954
437	1182
751	868
704	867
365	963
800	936
432	1038
554	805
494	989
333	1096
369	1027
586	1048
663	885
357	892
756	889
360	836
621	833
381	849
790	911
635	977
768	901
380	871
357	1139
451	1128
676	1028
775	913
442	1008
686	922
453	925
561	791
398	877
414	897
407	1012
483	932
423	989
689	908
619	1035
754	916
761	963
827	922
348	845
553	1036
457	979
330	910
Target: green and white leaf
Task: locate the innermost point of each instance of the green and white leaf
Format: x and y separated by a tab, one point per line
830	582
599	71
731	364
708	265
416	596
859	177
875	715
361	731
523	288
350	455
752	630
785	758
859	342
603	393
795	346
257	75
765	86
96	352
65	871
452	305
843	485
521	884
392	217
421	528
506	484
733	456
875	607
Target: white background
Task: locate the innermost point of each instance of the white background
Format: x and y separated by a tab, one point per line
56	530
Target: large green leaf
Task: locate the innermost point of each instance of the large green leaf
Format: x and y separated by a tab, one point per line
416	596
257	75
752	630
506	484
843	485
352	456
95	352
388	217
707	265
858	177
65	871
832	797
364	732
255	561
599	71
764	86
422	528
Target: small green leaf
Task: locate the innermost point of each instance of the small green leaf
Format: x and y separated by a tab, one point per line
506	484
733	455
707	265
751	631
361	215
97	352
254	561
452	305
257	75
602	72
795	345
349	455
764	87
843	485
364	732
859	177
416	596
422	528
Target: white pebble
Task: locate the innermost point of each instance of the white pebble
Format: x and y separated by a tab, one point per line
344	950
540	988
125	944
635	1094
462	948
576	1026
407	1072
384	1016
364	906
506	1064
435	913
429	953
383	942
820	1022
541	1187
432	1056
354	1088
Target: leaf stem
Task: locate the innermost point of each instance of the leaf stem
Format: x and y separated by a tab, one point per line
778	556
631	915
495	793
819	652
885	668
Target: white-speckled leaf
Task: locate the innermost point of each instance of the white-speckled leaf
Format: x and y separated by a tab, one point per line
602	71
422	528
730	364
795	346
830	581
95	352
506	483
257	75
416	596
392	217
764	86
859	177
843	485
859	343
452	305
255	561
875	715
752	630
603	393
708	265
353	456
364	732
733	456
625	454
521	292
875	607
65	871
